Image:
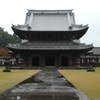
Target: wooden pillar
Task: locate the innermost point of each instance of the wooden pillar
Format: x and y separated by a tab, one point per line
42	61
57	61
69	61
29	61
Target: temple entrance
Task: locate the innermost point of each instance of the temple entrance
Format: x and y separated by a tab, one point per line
64	61
35	61
50	61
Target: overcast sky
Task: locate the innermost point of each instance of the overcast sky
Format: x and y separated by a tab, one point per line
86	12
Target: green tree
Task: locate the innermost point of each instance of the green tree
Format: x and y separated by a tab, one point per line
6	38
16	38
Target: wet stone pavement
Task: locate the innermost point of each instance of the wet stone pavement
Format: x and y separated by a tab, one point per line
48	84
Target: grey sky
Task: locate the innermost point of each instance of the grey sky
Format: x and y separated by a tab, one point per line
86	12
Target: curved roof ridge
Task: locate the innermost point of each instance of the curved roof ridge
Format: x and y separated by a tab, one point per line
53	10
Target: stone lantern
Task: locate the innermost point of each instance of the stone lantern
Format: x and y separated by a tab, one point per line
7	63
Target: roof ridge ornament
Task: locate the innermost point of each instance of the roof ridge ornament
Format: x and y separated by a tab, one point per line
29	27
70	27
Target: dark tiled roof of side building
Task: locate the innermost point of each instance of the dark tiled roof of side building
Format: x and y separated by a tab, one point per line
96	50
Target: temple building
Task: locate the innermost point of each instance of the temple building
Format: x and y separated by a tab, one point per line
50	38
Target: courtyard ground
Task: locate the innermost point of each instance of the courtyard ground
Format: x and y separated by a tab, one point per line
9	79
87	82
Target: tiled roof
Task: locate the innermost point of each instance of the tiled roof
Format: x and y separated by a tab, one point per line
96	50
50	45
50	20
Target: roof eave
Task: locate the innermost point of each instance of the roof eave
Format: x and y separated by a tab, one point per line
27	29
78	35
44	49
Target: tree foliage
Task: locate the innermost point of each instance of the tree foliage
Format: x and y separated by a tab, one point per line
6	38
4	51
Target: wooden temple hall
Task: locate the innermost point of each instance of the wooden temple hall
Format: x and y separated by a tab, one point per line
50	38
